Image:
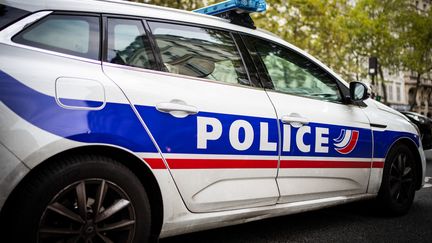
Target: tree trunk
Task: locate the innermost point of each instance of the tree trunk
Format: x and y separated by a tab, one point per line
381	74
415	91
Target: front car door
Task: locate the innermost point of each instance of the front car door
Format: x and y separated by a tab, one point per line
326	145
209	121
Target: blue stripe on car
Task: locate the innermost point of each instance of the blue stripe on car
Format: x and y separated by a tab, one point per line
117	124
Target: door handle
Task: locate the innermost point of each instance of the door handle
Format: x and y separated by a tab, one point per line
295	120
177	108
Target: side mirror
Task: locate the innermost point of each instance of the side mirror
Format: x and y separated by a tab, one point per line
359	91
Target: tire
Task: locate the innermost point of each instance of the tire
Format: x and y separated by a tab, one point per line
397	190
60	204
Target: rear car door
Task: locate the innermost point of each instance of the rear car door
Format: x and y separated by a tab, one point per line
217	131
326	145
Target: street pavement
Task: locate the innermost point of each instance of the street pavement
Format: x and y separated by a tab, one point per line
354	222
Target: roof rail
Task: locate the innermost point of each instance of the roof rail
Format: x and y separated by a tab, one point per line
237	11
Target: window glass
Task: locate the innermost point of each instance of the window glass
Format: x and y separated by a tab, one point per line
8	15
292	73
390	91
128	44
70	34
199	52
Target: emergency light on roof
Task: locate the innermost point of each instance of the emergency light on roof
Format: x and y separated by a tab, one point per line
239	6
237	11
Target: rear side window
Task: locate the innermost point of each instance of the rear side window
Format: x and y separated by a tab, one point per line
69	34
128	44
8	15
199	52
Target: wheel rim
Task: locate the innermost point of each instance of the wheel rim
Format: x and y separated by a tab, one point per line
88	211
401	178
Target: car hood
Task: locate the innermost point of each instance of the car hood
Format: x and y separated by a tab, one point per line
381	106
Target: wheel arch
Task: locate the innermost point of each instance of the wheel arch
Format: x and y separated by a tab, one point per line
414	149
135	164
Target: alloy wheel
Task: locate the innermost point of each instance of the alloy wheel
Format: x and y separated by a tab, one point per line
88	211
401	178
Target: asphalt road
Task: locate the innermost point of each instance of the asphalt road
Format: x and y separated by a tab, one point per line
354	222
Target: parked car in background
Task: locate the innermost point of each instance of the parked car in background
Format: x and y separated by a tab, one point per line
425	126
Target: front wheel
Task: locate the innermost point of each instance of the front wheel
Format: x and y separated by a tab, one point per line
397	189
82	199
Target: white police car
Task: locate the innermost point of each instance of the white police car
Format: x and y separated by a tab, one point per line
124	122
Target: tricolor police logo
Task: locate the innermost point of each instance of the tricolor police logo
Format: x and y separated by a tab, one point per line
347	141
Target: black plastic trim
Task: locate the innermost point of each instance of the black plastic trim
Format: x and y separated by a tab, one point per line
27	13
378	125
104	38
155	49
247	61
260	68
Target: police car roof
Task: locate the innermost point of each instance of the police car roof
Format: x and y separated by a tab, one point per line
127	8
150	11
116	7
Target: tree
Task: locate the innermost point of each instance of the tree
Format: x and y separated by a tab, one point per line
372	29
415	43
312	25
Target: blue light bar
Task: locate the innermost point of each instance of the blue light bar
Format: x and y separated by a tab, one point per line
243	6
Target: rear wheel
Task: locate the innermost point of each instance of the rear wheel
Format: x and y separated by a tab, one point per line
86	199
397	190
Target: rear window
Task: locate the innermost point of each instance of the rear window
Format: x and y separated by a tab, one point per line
8	15
69	34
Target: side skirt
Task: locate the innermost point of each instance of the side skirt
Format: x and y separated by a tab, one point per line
193	222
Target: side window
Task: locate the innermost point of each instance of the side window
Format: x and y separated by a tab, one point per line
8	15
128	44
69	34
293	73
199	52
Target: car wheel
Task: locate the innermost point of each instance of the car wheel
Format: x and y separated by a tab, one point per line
397	189
82	199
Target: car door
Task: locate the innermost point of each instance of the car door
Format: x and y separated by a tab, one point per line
216	130
326	145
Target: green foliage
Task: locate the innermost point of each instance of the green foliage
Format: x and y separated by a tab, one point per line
343	35
313	25
415	42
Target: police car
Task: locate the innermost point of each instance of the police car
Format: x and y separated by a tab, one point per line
125	122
